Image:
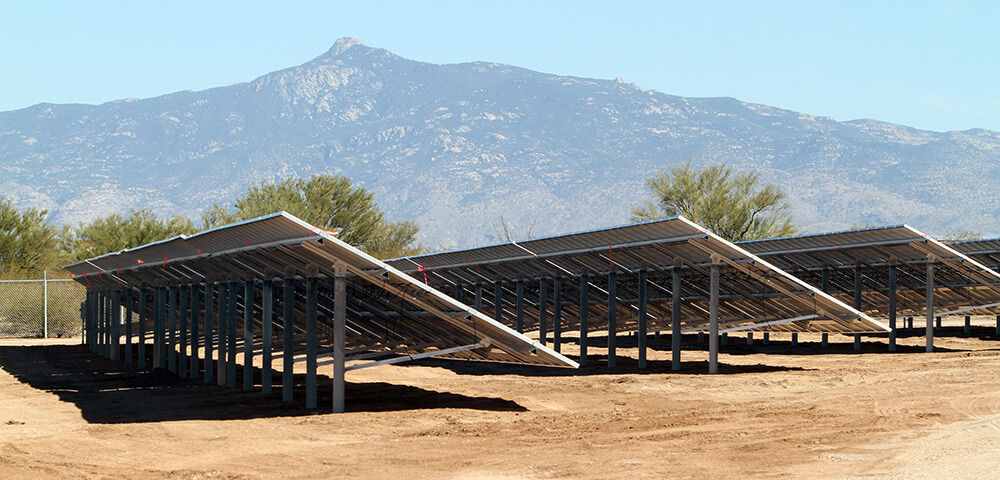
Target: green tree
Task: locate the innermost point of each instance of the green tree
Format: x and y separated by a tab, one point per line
734	206
27	240
117	232
329	202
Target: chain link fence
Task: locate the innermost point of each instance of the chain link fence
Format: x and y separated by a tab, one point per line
40	308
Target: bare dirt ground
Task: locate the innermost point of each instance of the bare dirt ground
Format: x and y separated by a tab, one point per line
772	412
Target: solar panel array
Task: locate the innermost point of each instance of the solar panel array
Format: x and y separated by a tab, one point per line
388	312
754	294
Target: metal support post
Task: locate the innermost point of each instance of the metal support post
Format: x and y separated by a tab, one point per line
557	314
767	338
968	325
458	291
182	314
584	310
288	339
312	290
105	311
339	337
172	329
479	297
209	332
725	338
713	319
128	325
892	307
857	302
223	308
193	294
519	307
825	284
929	330
612	318
266	322
159	329
232	324
795	339
643	327
498	301
675	319
543	299
116	321
45	303
141	343
749	338
248	302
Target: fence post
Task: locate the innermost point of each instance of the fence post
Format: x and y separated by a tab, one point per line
45	302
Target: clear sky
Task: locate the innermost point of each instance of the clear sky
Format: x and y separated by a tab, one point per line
928	64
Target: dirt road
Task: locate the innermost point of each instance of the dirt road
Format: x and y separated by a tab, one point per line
772	412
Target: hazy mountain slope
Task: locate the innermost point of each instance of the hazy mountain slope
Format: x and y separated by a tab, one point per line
454	145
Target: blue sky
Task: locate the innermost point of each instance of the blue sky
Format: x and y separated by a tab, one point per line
932	65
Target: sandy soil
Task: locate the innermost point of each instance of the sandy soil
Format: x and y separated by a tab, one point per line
772	412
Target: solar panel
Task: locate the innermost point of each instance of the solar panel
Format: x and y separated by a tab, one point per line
854	266
389	315
754	294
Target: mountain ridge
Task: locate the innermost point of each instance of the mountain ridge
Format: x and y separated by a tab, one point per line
453	146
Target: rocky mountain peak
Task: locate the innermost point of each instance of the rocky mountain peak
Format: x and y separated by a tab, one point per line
342	45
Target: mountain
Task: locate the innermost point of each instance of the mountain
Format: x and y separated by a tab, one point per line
455	146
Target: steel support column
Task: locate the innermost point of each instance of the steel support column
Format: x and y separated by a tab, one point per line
223	307
182	294
612	318
172	329
141	343
287	340
339	338
267	335
498	301
825	286
519	307
210	289
103	324
543	299
930	307
675	319
312	291
479	297
116	322
159	328
129	309
643	330
557	314
584	310
232	324
857	302
713	320
892	307
193	294
248	301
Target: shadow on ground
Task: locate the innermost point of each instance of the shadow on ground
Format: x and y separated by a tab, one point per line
107	391
596	365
